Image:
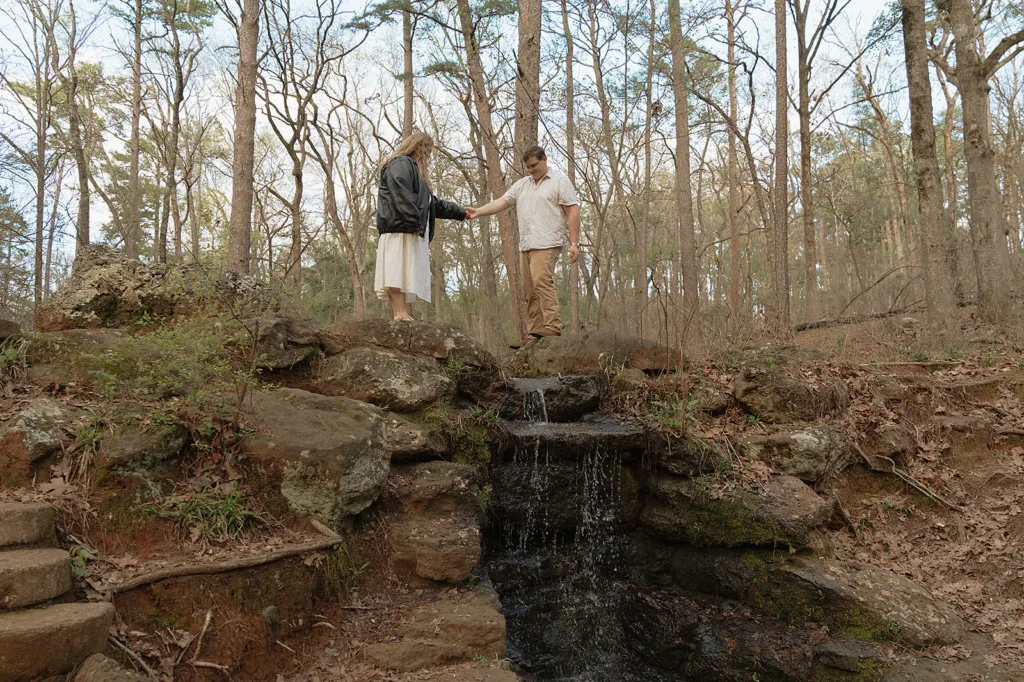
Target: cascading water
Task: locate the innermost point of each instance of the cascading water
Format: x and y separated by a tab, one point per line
563	496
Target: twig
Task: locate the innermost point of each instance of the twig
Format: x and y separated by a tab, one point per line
907	478
132	655
323	528
1010	432
223	566
215	666
202	633
285	645
324	624
360	608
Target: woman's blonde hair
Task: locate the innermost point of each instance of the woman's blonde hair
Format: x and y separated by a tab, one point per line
418	147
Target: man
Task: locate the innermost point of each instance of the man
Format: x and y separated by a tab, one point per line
546	203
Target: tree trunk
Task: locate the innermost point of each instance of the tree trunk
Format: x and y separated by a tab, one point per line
988	232
570	151
191	190
683	190
952	188
240	226
646	222
813	311
509	233
133	227
527	77
778	315
937	284
734	220
408	91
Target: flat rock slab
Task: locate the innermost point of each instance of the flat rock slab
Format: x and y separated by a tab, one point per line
99	668
560	441
453	630
330	452
399	381
781	511
32	576
595	352
283	342
411	441
775	397
27	523
41	642
809	454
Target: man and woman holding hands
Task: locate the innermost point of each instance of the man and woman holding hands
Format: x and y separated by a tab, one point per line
546	204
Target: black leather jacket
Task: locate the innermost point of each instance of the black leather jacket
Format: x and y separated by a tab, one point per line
405	203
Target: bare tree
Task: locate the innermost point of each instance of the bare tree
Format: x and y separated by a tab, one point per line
527	77
240	228
778	314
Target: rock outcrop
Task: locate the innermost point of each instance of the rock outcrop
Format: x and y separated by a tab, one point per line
809	454
29	436
400	381
435	534
330	454
595	352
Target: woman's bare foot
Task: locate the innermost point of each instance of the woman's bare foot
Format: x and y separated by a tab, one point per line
404	318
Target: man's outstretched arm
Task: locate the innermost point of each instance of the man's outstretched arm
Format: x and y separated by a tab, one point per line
490	208
572	214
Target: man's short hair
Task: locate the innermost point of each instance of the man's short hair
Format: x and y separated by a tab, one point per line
534	152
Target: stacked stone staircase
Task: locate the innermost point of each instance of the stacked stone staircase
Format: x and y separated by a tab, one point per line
41	634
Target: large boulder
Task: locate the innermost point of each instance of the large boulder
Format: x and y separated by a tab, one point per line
436	533
809	454
30	435
99	668
9	329
775	397
438	341
399	381
72	356
853	599
283	342
329	453
781	511
594	352
689	455
108	289
459	629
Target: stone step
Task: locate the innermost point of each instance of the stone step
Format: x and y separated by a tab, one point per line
32	576
24	523
37	643
572	441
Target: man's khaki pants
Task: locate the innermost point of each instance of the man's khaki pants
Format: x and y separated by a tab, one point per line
537	269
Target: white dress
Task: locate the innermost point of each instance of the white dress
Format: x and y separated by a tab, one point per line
403	262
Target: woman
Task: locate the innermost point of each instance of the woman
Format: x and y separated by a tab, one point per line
406	210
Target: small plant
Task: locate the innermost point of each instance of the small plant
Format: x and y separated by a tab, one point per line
668	412
953	353
107	383
454	367
89	436
218	517
80	557
753	419
919	356
349	572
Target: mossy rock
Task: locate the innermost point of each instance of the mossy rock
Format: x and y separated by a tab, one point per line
781	513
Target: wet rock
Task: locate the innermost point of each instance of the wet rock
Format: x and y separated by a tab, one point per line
141	439
674	633
689	455
554	399
438	341
854	600
108	289
410	441
774	397
571	441
99	668
809	454
462	628
436	532
782	511
399	381
594	352
329	453
283	342
534	502
29	436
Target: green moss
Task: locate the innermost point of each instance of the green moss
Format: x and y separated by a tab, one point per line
726	523
470	436
167	618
